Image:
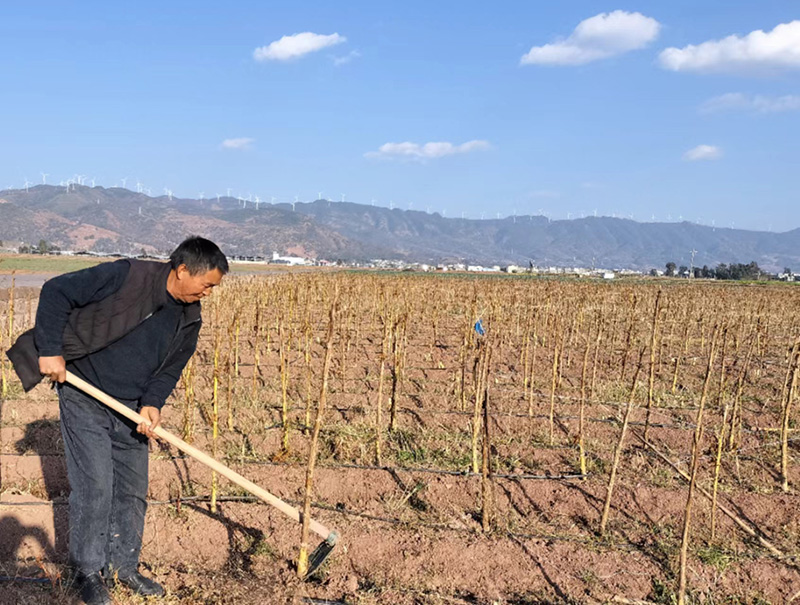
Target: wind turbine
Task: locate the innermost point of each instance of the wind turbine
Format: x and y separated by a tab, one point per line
202	195
139	187
27	184
124	181
229	192
44	178
218	198
391	205
93	180
319	195
258	199
343	197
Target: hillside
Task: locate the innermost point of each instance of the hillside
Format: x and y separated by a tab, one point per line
116	219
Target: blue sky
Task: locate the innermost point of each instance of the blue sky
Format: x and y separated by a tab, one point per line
670	110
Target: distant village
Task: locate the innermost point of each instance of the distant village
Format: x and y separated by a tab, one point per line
734	271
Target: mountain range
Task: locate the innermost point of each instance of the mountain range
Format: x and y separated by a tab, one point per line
119	220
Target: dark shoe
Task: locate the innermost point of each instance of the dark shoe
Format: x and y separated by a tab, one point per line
141	585
94	591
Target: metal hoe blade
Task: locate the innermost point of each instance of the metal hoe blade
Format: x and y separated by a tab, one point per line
321	554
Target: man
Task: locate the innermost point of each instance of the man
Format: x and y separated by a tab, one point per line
129	328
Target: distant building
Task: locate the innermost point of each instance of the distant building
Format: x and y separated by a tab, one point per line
277	259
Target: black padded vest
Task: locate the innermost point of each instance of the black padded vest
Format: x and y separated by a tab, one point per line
101	323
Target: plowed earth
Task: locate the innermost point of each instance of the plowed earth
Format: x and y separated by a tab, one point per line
411	527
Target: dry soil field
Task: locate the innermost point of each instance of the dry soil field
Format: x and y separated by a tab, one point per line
572	453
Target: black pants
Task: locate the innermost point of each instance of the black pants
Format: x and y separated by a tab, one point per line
107	467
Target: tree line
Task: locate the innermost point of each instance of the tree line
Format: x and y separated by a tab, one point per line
43	248
733	271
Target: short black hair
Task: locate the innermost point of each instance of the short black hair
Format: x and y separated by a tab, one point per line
199	255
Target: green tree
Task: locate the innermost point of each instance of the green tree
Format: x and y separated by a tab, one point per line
671	269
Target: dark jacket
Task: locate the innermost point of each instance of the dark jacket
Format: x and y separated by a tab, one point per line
94	326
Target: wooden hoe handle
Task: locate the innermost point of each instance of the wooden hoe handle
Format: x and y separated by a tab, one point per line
195	453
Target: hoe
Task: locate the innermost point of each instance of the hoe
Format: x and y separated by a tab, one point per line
330	538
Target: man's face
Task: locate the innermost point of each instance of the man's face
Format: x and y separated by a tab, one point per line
191	288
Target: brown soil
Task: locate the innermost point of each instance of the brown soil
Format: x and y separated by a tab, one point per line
411	528
407	537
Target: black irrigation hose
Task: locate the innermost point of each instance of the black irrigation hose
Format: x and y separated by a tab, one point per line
21	579
336	509
628	546
514	477
342	510
406	469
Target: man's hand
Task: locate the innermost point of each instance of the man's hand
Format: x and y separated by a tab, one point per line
53	367
154	416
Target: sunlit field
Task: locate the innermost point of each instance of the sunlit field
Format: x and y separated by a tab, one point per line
483	440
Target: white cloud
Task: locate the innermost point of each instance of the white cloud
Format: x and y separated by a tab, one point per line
756	52
415	151
703	152
604	35
353	54
238	143
297	45
734	101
